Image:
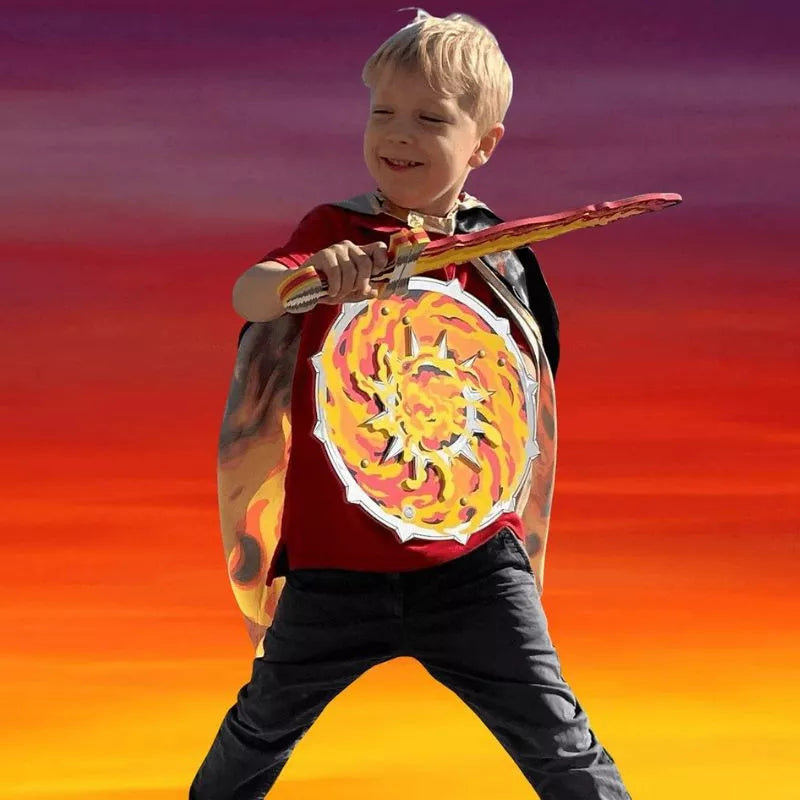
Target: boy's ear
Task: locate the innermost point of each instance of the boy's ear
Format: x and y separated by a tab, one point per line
487	145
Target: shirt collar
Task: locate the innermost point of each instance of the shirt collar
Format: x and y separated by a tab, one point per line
376	203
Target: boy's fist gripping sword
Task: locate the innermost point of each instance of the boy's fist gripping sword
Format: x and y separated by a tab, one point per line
412	253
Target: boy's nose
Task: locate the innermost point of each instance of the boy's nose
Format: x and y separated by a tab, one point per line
399	132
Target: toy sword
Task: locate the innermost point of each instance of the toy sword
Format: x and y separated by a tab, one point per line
411	252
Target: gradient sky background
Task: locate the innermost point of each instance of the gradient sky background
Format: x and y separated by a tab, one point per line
151	151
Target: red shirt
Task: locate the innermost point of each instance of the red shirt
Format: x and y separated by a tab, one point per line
320	528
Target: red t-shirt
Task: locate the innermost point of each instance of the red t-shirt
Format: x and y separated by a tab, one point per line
320	528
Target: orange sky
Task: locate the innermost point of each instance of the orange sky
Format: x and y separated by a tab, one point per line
151	151
670	583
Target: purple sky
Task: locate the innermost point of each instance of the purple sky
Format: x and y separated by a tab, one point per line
183	119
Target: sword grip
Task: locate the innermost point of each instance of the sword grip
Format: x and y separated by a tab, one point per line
302	289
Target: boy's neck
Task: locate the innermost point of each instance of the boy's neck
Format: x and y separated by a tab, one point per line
414	218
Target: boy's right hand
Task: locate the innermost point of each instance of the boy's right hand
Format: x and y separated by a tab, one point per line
348	268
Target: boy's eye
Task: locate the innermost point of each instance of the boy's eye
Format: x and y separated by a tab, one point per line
431	119
380	111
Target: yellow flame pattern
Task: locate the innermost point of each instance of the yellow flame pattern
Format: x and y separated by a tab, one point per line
425	404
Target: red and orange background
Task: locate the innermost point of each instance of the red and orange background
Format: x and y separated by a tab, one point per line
152	151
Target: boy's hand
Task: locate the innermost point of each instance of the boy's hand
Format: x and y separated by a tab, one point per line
348	268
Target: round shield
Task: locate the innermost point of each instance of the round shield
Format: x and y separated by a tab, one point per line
427	410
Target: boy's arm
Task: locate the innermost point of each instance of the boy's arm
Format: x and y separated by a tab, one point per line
255	293
346	267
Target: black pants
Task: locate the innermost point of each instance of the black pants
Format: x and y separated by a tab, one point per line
475	623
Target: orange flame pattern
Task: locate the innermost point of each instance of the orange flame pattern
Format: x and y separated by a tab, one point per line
424	403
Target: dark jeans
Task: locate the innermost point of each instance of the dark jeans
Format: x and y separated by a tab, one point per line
475	623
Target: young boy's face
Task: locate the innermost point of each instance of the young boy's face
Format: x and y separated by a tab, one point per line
408	121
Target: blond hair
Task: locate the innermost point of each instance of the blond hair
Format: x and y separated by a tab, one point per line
457	56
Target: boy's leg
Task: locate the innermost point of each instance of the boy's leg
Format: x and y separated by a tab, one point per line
477	625
329	628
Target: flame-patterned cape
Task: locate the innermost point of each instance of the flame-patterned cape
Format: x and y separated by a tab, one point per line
255	436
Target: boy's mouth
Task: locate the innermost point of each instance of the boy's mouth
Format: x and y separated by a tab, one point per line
398	164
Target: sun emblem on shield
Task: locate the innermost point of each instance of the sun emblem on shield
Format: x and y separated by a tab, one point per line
426	410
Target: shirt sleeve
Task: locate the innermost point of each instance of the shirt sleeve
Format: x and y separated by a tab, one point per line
318	229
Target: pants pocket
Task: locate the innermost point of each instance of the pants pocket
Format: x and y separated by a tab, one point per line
519	549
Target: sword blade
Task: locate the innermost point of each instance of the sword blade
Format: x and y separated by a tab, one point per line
464	247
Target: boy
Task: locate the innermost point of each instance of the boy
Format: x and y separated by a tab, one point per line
422	448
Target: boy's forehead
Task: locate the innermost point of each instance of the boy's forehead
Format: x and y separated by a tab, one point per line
397	83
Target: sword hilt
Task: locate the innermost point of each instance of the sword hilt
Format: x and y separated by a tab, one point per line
303	288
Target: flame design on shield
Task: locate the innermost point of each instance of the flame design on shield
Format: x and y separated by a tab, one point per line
426	410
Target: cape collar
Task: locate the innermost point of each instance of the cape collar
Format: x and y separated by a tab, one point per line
375	203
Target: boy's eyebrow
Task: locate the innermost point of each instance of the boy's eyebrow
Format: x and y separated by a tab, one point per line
433	107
